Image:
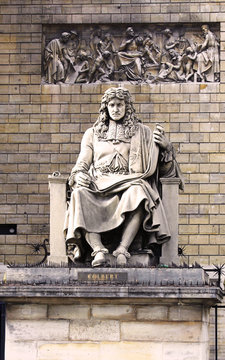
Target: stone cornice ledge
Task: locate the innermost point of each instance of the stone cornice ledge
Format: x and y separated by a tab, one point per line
147	284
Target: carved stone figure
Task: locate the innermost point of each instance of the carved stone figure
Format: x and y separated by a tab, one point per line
54	59
207	62
115	185
169	55
188	62
151	50
103	64
130	56
80	69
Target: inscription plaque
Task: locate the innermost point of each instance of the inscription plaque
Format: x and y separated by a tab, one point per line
103	276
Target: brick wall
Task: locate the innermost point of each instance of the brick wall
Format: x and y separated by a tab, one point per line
42	125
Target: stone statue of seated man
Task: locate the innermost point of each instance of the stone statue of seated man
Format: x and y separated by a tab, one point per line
115	185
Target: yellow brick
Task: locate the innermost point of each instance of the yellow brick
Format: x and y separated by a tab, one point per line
202	260
200	98
29	128
209	209
209	147
199	178
222	209
9	128
7	249
50	128
181	137
199	219
209	188
217	137
199	158
188	229
19	79
209	229
191	188
218	158
188	209
50	108
189	108
217	199
209	107
199	199
217	178
41	98
60	138
197	137
183	199
30	108
173	89
208	249
217	219
217	259
189	168
199	239
217	239
177	118
207	168
192	250
15	259
171	108
189	148
202	117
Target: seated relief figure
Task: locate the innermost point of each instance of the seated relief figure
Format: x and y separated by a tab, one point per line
116	184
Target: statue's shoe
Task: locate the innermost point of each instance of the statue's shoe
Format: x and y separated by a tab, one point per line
121	260
99	259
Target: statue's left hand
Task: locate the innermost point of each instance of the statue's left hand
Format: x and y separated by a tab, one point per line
160	138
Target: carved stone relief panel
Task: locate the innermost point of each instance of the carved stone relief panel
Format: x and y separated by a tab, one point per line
137	53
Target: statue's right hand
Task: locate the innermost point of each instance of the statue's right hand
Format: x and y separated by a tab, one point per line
82	179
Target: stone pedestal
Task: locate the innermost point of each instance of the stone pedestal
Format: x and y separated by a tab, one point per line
170	188
94	314
57	186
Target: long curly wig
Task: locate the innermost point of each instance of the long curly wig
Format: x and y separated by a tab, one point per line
129	121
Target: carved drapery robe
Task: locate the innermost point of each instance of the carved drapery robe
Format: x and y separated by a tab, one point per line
53	65
124	176
207	61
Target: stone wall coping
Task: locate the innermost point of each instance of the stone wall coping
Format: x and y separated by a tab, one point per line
144	294
190	284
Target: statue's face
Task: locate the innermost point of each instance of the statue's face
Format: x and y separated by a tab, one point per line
116	109
205	30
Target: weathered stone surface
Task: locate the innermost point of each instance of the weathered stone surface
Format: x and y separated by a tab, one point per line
25	330
185	313
152	313
113	312
68	312
101	351
24	350
26	312
94	330
155	331
178	351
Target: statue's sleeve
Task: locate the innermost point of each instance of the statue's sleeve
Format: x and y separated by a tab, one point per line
168	166
85	157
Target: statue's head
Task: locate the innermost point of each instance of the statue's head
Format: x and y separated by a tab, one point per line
119	93
130	31
205	29
65	36
129	120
